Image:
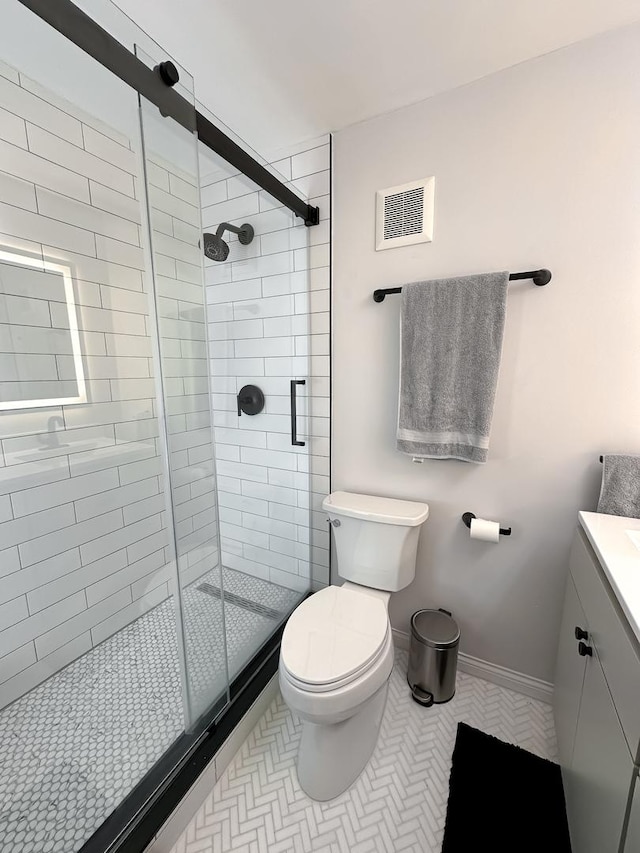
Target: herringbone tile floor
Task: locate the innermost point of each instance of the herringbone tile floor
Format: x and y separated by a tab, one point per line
398	803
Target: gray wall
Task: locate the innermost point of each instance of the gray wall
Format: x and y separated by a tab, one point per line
535	166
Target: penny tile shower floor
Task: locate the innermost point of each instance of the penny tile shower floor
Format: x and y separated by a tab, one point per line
73	747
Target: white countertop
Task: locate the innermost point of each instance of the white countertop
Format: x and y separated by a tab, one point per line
616	541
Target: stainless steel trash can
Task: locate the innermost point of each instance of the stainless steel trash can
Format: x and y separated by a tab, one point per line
433	656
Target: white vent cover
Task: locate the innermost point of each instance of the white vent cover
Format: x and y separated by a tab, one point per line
404	214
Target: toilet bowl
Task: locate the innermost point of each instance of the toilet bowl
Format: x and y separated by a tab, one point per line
336	654
335	661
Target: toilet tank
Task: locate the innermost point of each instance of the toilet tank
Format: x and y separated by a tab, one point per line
376	538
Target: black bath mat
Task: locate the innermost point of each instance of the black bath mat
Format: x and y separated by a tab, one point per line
503	799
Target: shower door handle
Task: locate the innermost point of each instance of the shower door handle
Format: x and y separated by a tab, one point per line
294	413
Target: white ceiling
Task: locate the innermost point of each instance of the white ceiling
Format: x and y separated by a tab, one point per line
281	71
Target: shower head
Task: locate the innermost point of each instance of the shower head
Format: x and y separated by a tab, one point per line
217	249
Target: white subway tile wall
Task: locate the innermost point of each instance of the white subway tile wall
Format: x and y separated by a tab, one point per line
269	321
182	326
82	511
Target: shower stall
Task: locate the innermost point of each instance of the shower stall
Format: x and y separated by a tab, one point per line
155	505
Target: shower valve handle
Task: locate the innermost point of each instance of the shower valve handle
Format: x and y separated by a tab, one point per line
250	400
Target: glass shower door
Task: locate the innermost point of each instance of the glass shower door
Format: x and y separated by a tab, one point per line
90	668
122	617
172	188
241	523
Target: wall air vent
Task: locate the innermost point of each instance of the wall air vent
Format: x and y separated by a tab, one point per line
404	214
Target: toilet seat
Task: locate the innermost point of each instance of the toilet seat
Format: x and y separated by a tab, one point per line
333	704
328	686
333	638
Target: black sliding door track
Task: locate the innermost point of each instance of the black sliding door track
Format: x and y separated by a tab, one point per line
83	31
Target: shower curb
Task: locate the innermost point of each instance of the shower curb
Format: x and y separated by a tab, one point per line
167	837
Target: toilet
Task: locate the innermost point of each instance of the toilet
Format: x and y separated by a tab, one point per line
336	654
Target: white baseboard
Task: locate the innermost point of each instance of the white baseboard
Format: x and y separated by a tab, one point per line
166	839
517	681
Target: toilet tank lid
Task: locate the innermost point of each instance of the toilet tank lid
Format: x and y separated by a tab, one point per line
372	508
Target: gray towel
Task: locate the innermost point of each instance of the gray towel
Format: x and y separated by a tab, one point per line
620	490
451	340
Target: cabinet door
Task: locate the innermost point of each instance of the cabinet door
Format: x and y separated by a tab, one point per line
618	652
632	843
597	785
570	669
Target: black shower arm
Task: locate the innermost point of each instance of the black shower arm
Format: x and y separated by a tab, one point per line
225	226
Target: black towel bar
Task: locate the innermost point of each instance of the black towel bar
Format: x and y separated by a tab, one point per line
539	277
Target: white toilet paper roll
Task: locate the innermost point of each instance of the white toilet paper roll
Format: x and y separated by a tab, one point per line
488	531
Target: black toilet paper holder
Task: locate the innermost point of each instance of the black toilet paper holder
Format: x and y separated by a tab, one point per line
467	517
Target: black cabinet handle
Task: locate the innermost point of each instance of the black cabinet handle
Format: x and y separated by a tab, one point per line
584	650
294	413
581	634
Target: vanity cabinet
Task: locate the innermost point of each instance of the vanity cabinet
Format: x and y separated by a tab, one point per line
569	679
633	833
596	709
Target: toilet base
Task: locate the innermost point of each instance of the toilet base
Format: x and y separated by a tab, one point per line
331	757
